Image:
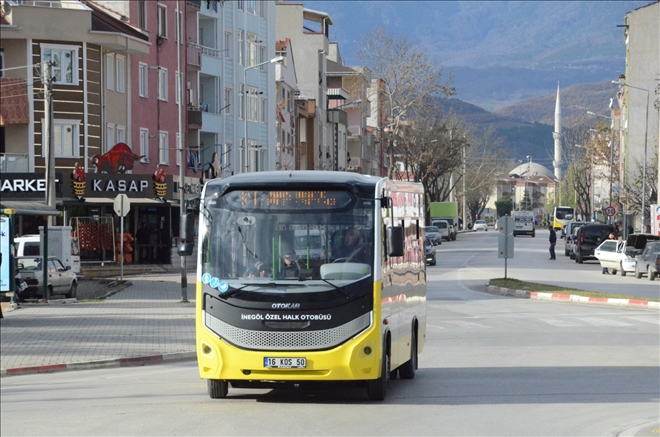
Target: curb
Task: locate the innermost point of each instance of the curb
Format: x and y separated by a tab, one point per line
534	295
101	364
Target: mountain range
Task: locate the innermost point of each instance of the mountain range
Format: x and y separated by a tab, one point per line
499	52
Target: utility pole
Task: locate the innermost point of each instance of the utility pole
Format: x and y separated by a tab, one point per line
464	192
182	155
48	144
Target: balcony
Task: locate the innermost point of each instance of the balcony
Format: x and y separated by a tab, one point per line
60	4
194	118
305	95
194	55
13	163
355	132
194	4
355	164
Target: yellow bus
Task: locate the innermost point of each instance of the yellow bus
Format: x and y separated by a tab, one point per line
272	311
562	215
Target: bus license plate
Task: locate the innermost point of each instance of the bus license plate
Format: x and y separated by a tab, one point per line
285	363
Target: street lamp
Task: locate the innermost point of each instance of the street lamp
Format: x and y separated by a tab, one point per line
245	115
622	83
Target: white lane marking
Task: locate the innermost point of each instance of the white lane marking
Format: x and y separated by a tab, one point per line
560	322
602	322
645	319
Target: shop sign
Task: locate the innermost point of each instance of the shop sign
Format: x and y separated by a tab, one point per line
135	186
27	185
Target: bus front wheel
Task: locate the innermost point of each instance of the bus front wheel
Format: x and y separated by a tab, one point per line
217	388
377	388
407	369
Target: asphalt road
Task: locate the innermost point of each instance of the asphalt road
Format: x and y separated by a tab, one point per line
473	258
492	366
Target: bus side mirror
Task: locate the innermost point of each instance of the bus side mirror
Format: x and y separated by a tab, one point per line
185	249
187	227
395	241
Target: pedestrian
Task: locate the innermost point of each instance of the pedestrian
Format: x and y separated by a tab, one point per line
610	236
553	241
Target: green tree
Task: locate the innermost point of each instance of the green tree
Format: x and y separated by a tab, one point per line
504	206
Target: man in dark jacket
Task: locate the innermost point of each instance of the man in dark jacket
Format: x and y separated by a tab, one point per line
553	241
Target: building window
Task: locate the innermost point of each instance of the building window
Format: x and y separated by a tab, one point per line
67	138
241	47
179	27
229	98
163	151
252	49
262	9
241	5
144	84
109	136
144	145
121	74
162	21
262	58
121	134
110	71
162	83
251	6
264	110
142	14
241	103
177	87
228	45
178	149
2	62
253	103
65	63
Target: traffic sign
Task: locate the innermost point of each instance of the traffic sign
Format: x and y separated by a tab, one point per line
610	211
122	205
505	246
506	224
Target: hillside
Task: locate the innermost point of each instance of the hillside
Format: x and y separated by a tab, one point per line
522	138
499	52
576	100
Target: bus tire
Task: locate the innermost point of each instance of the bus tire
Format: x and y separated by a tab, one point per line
377	388
217	388
407	369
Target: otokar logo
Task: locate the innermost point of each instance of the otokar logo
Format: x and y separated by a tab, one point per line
286	306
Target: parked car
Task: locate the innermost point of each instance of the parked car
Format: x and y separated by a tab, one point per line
480	225
443	227
648	262
61	280
570	231
588	238
430	252
623	258
434	235
570	241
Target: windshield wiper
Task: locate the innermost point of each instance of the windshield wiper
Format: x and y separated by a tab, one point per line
340	289
271	284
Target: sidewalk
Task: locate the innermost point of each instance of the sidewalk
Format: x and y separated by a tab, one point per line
144	323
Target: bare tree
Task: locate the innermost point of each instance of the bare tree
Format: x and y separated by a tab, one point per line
484	163
410	77
632	194
581	155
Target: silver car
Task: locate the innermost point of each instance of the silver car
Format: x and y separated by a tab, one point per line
61	280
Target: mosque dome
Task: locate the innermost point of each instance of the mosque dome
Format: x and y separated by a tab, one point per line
532	169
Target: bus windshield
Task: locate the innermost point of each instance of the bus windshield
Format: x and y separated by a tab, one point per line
564	213
257	241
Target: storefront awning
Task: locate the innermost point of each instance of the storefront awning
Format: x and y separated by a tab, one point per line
26	207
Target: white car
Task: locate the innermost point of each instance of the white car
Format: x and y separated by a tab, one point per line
480	225
621	256
61	280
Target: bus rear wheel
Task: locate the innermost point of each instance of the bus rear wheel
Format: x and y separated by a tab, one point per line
217	388
407	369
377	388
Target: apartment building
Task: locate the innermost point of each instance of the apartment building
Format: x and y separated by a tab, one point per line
287	157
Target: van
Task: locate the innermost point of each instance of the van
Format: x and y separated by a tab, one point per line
524	223
588	238
28	245
443	227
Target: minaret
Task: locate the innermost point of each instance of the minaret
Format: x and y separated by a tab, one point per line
557	136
